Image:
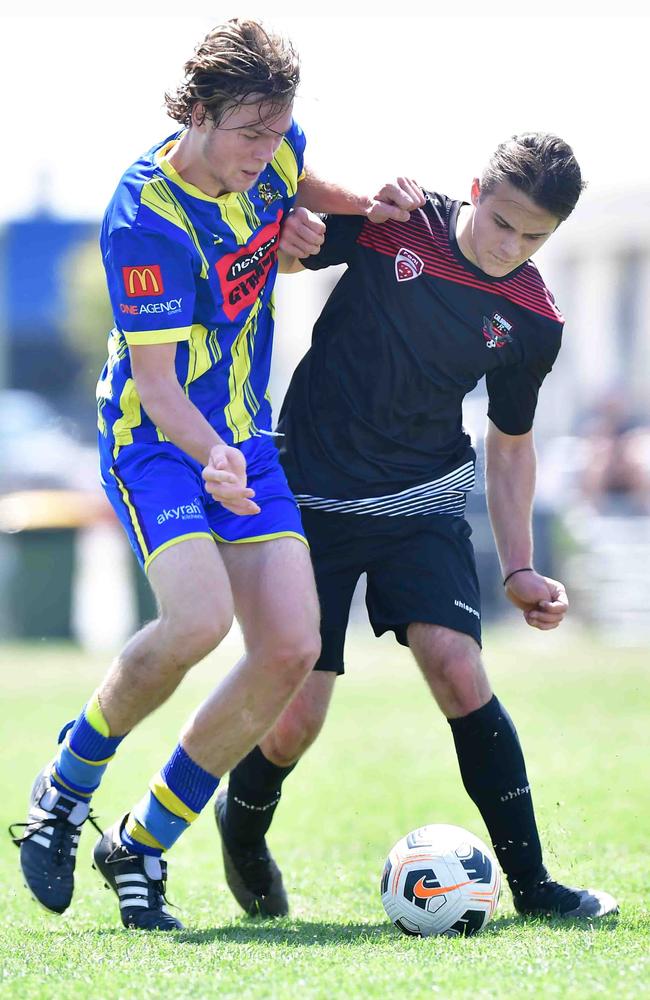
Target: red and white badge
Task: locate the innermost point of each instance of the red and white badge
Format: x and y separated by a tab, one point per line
407	265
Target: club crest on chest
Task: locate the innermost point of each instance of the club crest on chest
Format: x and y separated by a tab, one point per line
407	265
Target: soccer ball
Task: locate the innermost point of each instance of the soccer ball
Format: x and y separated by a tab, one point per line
440	879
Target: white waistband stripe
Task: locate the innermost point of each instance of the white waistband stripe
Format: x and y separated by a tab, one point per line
446	495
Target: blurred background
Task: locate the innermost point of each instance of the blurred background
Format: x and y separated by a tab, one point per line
429	96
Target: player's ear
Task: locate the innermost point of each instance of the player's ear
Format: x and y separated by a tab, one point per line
198	114
476	191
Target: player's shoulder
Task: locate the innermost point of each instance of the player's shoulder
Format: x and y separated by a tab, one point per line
295	138
124	208
440	208
541	300
286	168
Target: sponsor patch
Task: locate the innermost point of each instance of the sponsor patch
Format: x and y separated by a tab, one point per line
145	280
170	307
243	274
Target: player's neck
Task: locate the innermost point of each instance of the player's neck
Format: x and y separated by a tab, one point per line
186	162
464	233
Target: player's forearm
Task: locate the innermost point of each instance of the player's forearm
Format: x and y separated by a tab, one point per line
319	195
172	412
510	490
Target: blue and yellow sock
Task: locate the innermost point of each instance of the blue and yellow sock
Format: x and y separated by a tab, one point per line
86	750
176	796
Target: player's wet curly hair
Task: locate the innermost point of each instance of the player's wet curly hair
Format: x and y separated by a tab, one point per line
542	166
236	61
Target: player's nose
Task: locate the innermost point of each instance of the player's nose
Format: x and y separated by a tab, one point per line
510	248
267	149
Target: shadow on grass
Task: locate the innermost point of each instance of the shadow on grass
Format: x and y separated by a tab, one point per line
290	933
319	934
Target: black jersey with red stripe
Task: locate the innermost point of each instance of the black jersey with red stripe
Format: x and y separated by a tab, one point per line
375	406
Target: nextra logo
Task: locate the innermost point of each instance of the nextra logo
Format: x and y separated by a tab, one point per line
145	279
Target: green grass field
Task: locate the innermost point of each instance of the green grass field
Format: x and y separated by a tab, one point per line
383	766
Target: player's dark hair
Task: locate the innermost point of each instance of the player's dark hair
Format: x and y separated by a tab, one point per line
236	61
540	165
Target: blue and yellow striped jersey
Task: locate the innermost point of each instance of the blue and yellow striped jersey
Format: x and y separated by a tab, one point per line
185	267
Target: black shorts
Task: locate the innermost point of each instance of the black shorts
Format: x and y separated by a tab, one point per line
419	569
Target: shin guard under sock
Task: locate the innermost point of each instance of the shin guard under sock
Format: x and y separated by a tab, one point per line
254	790
494	774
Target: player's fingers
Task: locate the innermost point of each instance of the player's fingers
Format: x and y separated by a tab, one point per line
222	475
555	609
543	623
382	211
297	246
315	224
311	233
231	491
243	509
412	190
543	619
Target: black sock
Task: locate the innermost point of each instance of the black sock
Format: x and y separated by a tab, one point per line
494	774
254	789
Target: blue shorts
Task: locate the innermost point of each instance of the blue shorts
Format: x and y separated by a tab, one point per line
159	496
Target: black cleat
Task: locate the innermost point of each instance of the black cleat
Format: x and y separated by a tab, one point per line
251	873
138	880
48	846
546	898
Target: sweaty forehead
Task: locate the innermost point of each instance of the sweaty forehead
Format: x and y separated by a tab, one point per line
520	211
259	116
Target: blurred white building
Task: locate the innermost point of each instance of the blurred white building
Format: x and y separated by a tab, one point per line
598	267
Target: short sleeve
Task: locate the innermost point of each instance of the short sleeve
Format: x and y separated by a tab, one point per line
341	232
513	390
289	160
151	286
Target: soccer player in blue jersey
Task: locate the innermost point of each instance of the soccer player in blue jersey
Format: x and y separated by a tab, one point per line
375	452
190	243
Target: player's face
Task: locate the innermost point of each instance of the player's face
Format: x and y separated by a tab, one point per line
234	154
506	229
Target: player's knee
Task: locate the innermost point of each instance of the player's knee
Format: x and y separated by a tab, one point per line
293	659
293	735
453	666
192	637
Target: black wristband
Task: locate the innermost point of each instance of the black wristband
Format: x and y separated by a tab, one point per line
524	569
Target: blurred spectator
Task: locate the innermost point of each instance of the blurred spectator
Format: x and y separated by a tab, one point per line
614	471
39	448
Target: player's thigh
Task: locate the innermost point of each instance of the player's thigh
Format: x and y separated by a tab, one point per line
338	553
157	492
191	585
423	570
274	592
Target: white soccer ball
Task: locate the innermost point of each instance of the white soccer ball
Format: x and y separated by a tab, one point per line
440	879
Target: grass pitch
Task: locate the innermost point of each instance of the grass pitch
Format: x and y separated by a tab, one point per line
383	765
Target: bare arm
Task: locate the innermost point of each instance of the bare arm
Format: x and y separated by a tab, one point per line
510	488
394	201
178	418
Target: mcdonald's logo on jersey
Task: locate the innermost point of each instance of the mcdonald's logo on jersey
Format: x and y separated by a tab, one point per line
145	279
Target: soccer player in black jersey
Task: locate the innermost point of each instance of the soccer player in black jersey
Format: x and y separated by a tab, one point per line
375	452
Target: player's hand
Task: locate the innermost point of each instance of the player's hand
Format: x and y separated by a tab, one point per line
396	201
225	480
542	600
302	233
